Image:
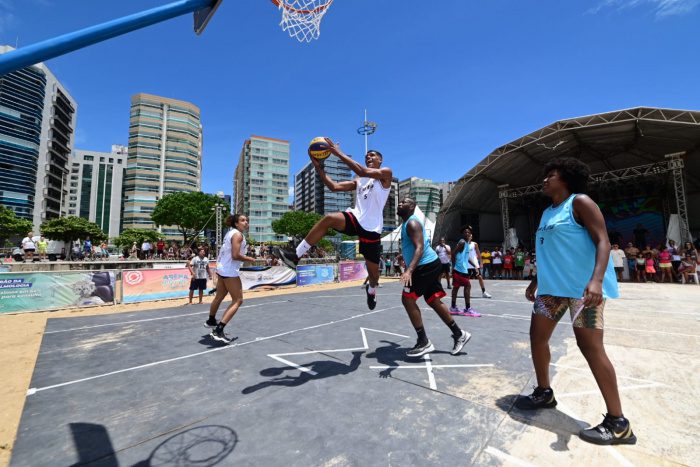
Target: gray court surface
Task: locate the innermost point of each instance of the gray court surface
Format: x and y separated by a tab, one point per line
311	379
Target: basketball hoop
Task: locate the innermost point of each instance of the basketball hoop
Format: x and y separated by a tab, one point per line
302	18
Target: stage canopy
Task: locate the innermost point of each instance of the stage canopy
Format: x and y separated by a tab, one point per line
641	139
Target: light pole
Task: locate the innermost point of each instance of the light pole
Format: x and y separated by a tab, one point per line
367	128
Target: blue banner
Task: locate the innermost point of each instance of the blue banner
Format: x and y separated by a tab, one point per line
309	274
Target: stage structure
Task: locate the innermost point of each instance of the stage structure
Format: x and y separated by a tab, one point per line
645	164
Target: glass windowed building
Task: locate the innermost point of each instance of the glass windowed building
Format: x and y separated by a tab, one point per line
426	193
95	189
164	156
311	195
37	121
261	185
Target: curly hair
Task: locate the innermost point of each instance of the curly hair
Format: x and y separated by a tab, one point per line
572	171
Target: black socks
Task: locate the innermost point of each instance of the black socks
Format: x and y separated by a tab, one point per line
456	330
422	336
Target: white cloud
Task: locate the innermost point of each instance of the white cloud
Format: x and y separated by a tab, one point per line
661	8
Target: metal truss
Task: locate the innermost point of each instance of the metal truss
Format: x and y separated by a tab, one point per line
565	128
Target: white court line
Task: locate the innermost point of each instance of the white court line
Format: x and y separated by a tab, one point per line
153	319
429	369
567	323
257	339
507	457
400	367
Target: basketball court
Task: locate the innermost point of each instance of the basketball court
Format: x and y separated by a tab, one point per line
317	379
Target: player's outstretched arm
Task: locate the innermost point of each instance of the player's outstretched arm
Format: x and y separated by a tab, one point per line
347	185
383	173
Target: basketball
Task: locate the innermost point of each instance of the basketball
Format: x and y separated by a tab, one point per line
318	148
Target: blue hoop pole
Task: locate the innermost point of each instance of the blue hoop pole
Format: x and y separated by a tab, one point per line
50	48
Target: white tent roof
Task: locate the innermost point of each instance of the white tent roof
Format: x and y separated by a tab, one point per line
392	241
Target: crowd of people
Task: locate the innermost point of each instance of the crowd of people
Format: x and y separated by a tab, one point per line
663	263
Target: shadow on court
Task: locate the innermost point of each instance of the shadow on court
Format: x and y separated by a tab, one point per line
200	446
551	420
319	369
92	442
209	342
392	355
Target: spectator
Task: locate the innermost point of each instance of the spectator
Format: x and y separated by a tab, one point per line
104	251
508	264
649	268
528	267
387	266
675	259
42	247
199	272
519	263
631	253
87	248
29	247
688	266
172	250
618	259
160	248
665	266
497	263
444	255
689	249
146	249
640	269
486	263
134	251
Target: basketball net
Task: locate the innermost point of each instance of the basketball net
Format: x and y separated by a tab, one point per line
302	18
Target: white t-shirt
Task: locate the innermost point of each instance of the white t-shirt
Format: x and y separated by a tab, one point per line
497	257
28	244
618	257
443	253
226	266
370	198
199	267
472	255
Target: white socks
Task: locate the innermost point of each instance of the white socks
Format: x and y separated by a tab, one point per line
371	290
302	248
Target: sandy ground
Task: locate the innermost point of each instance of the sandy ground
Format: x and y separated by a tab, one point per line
21	336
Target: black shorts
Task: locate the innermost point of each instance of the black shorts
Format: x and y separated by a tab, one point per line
425	282
619	268
198	284
445	268
472	273
370	242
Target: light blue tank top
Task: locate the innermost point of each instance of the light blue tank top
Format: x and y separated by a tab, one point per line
462	259
566	255
408	249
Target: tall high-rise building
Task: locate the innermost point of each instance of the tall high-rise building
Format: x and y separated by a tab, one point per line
311	195
261	185
426	193
391	219
165	156
95	188
37	122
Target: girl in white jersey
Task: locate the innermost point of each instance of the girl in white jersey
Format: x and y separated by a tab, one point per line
366	219
228	264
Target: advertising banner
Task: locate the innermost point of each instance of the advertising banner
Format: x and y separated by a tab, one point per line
256	276
351	270
35	291
309	274
142	285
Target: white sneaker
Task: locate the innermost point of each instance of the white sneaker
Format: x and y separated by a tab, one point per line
486	295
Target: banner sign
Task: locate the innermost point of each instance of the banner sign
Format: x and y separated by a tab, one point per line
142	285
309	274
256	276
34	291
352	270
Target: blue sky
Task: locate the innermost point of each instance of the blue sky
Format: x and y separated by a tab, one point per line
445	86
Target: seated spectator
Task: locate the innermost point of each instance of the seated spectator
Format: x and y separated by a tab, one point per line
688	266
688	248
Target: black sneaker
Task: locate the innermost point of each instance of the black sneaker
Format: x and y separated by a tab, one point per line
371	299
288	257
539	399
460	341
220	336
613	430
419	349
210	322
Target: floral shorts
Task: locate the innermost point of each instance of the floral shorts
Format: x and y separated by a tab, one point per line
554	308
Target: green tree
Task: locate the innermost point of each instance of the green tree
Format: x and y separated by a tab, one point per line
189	212
11	225
296	224
129	236
72	228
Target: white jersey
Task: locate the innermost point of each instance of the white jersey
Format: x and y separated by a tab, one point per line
472	255
226	266
370	198
443	253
